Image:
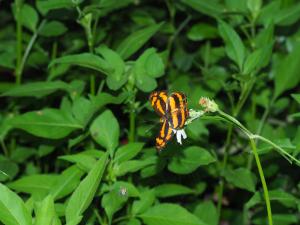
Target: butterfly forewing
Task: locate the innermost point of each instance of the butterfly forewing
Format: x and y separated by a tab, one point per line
177	110
158	100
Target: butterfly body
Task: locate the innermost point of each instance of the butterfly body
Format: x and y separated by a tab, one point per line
173	112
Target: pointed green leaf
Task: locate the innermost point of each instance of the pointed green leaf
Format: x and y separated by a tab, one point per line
210	8
46	123
233	44
169	214
136	40
45	212
12	209
127	152
105	130
85	192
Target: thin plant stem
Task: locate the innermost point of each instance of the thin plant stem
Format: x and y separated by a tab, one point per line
19	37
29	47
263	181
131	136
5	150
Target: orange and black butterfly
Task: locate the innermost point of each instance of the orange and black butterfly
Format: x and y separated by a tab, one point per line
173	112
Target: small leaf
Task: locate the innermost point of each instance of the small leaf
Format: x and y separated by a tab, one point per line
85	192
83	161
288	16
241	178
189	160
132	166
39	185
146	201
52	29
12	209
170	190
136	40
169	214
210	8
296	97
46	5
45	212
28	16
37	89
66	182
127	152
207	212
286	73
116	78
47	123
202	31
234	46
112	202
105	130
87	60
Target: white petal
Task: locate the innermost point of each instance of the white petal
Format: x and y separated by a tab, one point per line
180	134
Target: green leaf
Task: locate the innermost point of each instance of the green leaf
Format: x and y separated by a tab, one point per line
189	160
87	60
288	16
234	46
136	40
12	209
127	152
66	182
146	201
241	178
45	212
296	97
131	190
112	202
47	123
169	214
202	31
105	130
46	5
207	212
132	166
147	67
210	8
170	190
116	78
28	16
39	185
286	72
37	89
85	192
254	6
52	29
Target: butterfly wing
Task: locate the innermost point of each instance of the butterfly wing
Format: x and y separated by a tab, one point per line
158	100
177	112
165	134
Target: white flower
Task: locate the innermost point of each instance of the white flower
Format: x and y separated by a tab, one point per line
180	134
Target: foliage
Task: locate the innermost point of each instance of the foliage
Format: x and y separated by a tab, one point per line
76	128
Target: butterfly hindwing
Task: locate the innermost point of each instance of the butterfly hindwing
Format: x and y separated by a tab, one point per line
177	110
165	134
158	100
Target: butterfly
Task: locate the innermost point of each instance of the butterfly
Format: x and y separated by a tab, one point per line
173	112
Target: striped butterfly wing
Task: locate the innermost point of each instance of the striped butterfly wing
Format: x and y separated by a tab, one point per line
177	111
158	100
165	134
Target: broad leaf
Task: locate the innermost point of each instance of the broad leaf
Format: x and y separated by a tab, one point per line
12	209
105	130
210	8
127	152
241	178
189	160
169	190
46	123
169	214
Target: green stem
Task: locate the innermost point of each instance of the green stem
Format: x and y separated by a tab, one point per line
131	137
224	163
5	150
263	181
92	84
19	47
